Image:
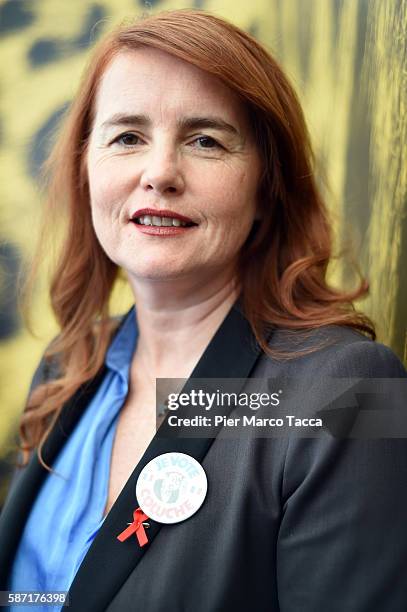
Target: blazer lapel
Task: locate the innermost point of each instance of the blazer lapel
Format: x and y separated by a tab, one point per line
232	353
26	488
28	483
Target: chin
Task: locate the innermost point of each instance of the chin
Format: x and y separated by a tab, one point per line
161	272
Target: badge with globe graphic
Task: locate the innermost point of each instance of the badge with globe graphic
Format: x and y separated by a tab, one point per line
171	487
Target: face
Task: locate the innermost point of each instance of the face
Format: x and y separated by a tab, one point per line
170	139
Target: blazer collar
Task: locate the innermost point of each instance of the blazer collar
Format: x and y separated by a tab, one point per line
232	353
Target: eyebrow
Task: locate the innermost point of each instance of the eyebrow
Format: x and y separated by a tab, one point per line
186	123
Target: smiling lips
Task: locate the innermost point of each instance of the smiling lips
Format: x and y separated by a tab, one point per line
161	222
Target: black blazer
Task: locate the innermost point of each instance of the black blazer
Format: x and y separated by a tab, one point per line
289	524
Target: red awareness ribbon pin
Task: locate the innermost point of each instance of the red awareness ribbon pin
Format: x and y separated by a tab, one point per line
136	527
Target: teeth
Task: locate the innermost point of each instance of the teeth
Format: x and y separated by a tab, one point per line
160	221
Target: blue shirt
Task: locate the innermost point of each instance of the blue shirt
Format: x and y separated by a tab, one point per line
68	510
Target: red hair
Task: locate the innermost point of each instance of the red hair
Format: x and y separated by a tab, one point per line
284	262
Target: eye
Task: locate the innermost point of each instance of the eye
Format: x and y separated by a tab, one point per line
128	139
206	142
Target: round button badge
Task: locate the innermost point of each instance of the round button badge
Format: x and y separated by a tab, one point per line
171	487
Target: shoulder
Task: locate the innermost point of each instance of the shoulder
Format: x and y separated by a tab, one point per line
335	351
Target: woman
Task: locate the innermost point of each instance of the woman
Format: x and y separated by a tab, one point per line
185	161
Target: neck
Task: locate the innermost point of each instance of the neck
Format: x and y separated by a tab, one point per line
177	320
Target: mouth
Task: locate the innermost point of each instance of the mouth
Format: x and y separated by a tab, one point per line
161	218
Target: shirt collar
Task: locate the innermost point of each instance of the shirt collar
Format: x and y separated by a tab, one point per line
120	353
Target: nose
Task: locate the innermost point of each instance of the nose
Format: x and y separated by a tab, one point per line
162	173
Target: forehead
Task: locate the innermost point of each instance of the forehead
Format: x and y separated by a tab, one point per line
146	79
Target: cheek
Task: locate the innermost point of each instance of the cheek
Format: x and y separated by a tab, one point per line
100	185
106	192
101	192
239	209
234	198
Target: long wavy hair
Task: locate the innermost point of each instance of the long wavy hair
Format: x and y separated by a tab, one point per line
284	262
